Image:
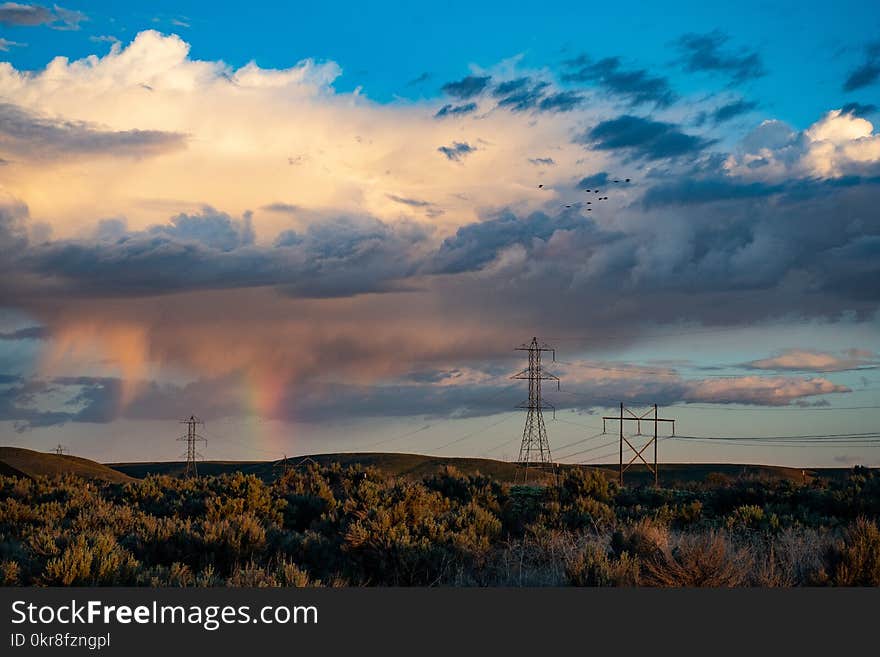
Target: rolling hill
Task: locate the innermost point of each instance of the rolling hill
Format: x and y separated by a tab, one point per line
22	462
18	461
416	466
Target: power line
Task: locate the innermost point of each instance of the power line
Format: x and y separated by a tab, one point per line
400	437
817	444
471	434
582	440
720	405
585	451
686	406
816	436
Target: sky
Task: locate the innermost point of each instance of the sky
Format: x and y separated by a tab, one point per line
327	228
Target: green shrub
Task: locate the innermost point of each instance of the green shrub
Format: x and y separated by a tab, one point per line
593	566
854	560
96	560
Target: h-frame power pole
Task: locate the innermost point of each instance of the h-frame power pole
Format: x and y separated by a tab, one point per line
59	449
191	438
638	419
535	447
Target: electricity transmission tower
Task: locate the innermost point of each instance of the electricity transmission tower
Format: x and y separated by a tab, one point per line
59	449
282	466
535	447
638	419
191	438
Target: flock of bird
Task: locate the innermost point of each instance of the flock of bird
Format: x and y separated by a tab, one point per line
591	191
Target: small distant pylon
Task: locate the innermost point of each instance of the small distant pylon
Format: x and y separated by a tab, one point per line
59	449
283	465
535	448
191	438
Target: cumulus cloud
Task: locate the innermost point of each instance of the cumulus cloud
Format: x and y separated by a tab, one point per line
348	152
839	145
346	270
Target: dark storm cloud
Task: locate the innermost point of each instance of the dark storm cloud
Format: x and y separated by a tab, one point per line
509	87
732	110
215	230
28	136
637	86
412	202
520	95
707	190
592	182
563	101
859	109
643	138
431	394
477	244
741	263
13	13
455	110
29	333
211	250
705	52
282	208
525	93
88	399
867	72
467	87
13	236
853	269
457	150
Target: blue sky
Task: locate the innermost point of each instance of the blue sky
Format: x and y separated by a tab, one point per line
807	47
324	226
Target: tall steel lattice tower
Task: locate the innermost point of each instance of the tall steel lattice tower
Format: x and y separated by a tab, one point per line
191	438
535	449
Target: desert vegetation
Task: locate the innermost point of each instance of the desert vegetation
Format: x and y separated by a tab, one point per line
350	526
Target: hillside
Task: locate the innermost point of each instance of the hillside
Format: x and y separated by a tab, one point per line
18	461
416	466
28	463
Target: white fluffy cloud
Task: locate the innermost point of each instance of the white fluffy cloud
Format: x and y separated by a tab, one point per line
836	145
257	137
